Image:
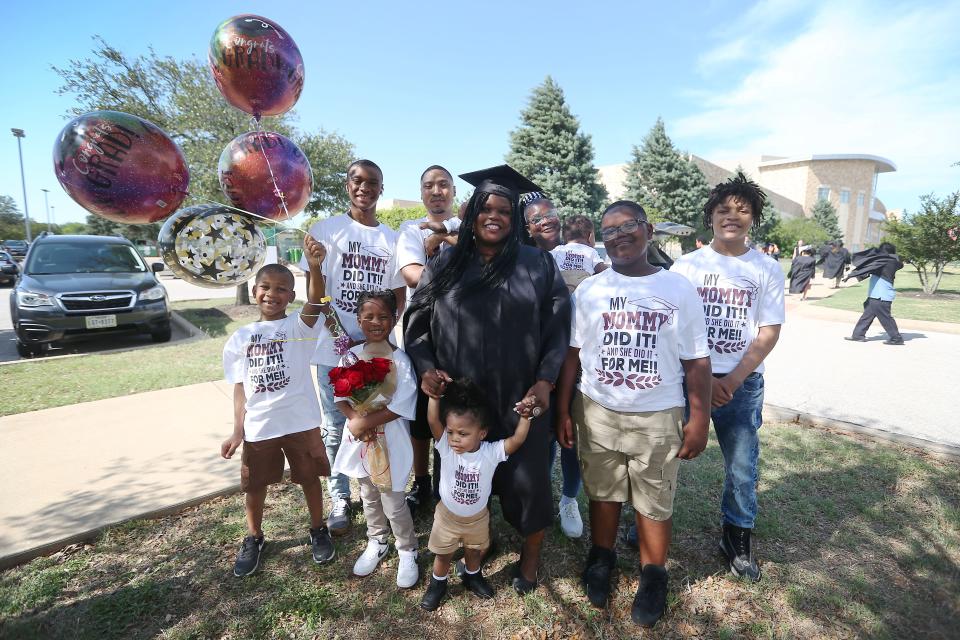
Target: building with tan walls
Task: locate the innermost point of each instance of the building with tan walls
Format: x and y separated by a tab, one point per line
795	184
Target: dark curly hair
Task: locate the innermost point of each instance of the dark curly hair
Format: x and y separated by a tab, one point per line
464	396
386	296
742	188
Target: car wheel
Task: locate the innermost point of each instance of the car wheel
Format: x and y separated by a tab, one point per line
30	350
162	334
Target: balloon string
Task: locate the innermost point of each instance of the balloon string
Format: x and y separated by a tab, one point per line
250	213
276	187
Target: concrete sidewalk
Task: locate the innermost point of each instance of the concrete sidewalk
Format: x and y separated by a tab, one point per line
70	471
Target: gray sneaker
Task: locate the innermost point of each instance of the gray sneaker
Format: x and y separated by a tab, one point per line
339	520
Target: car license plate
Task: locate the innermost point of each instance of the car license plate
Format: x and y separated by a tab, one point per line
101	322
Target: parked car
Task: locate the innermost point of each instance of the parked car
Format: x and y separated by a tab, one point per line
16	248
8	268
74	287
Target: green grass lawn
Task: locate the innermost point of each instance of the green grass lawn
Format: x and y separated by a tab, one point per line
97	376
911	302
855	540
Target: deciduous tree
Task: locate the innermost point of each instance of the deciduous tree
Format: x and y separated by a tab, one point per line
929	238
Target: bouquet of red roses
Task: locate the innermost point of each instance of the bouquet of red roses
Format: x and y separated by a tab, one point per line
360	381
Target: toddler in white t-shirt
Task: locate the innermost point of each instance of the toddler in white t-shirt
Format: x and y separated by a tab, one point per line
577	259
459	425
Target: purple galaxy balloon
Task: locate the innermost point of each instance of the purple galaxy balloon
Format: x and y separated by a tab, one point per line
248	167
120	167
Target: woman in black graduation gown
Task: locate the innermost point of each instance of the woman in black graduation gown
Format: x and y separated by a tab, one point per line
497	311
801	272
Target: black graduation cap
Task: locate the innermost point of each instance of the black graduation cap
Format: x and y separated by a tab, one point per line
501	180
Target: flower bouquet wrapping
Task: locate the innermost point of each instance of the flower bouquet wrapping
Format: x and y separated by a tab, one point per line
368	384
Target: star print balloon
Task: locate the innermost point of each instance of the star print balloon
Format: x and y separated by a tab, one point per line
266	174
212	246
120	167
256	65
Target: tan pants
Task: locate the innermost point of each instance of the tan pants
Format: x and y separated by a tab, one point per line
386	510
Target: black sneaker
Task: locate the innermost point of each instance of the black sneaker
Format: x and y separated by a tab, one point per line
854	339
651	600
420	494
322	543
520	584
248	559
596	575
434	595
477	584
735	545
896	341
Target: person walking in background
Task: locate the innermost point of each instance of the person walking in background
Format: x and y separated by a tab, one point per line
801	272
881	266
835	261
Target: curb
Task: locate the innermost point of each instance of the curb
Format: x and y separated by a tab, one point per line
930	447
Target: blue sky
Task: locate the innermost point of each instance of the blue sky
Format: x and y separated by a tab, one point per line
413	84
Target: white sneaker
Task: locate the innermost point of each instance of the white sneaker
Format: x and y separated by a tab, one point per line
408	573
370	558
570	520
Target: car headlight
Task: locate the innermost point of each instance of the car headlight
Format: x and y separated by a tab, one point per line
153	293
31	299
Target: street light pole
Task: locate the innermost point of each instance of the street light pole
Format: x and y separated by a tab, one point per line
18	133
46	203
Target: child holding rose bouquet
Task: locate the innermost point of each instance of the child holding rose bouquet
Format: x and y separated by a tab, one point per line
376	389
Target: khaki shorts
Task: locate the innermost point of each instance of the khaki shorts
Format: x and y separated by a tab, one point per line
449	530
261	462
629	456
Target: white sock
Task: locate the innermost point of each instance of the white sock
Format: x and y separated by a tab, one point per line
473	573
566	500
436	577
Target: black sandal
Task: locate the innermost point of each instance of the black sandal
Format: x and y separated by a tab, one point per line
520	584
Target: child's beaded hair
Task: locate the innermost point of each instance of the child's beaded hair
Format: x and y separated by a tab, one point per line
464	396
386	296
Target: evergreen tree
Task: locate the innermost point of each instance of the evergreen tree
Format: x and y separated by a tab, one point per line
549	148
826	216
660	177
771	219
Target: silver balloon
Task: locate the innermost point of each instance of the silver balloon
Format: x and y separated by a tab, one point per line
212	246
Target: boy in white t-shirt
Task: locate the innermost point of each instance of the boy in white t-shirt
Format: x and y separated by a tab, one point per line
360	257
578	256
276	414
458	423
637	334
742	294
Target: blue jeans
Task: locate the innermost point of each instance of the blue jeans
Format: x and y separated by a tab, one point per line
338	486
736	425
569	468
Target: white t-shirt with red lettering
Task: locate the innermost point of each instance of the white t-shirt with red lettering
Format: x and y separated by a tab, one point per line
359	258
272	360
466	479
739	294
574	256
632	333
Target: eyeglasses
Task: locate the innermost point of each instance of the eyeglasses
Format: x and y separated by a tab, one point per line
543	218
627	227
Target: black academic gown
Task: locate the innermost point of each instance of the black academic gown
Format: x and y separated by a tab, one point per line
505	339
834	263
801	271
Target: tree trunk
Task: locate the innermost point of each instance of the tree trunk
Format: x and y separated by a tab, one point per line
243	294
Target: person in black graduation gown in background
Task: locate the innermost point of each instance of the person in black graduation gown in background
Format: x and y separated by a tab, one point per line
801	272
496	310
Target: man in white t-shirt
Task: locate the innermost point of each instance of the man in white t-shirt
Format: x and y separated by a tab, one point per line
359	257
742	295
637	334
437	191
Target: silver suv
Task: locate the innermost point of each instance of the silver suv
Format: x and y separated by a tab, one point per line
73	287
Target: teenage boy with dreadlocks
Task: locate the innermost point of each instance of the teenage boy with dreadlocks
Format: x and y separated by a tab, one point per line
742	292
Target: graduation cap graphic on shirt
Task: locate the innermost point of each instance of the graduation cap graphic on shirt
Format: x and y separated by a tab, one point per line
656	304
744	283
376	251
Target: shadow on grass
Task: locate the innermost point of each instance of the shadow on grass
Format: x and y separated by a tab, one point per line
212	321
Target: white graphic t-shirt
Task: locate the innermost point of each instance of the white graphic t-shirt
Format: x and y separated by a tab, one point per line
410	246
351	458
632	333
466	480
574	256
740	294
359	258
272	360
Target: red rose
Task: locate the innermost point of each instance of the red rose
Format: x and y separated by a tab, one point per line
341	388
335	374
355	379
